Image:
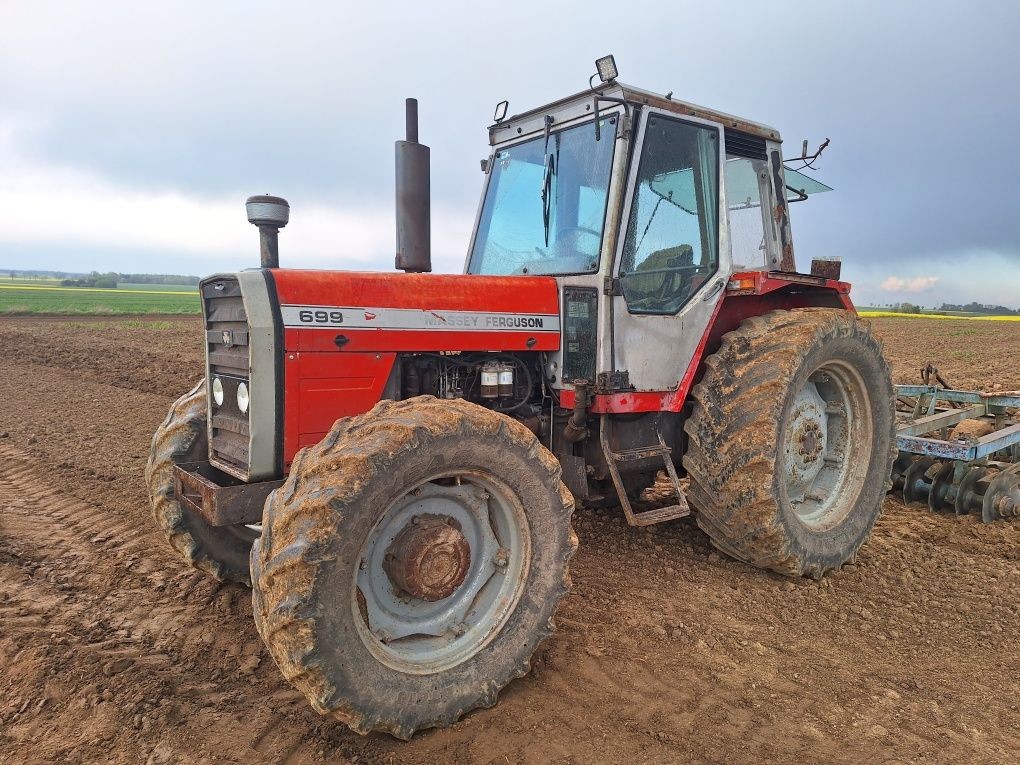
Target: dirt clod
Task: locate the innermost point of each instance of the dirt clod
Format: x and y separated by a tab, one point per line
116	667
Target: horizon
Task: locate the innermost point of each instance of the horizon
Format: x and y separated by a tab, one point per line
935	305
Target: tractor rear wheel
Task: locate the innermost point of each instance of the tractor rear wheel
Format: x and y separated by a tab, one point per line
412	563
792	440
218	550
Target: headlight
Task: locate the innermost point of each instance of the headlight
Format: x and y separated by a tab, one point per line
217	391
242	398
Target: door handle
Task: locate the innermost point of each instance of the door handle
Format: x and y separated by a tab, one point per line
714	290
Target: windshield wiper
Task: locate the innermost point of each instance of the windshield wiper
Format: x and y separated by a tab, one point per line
547	178
550	170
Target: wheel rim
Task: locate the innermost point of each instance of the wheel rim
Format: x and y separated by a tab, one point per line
826	449
441	572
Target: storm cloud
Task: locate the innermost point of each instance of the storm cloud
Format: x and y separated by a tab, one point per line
131	133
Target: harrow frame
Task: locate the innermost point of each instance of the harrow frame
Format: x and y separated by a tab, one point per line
928	417
969	473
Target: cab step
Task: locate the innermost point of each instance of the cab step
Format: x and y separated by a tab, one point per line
658	514
628	455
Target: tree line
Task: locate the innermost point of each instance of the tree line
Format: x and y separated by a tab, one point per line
991	310
110	279
979	308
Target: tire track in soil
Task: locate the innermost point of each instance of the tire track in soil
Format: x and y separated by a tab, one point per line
69	590
99	549
71	577
77	573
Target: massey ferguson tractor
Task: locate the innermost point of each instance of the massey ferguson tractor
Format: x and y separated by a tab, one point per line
391	460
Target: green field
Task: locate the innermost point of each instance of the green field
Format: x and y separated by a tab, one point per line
35	298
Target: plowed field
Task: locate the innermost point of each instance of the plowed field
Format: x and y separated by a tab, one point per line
112	652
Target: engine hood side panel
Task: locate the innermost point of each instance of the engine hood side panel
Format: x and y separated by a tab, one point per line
416	312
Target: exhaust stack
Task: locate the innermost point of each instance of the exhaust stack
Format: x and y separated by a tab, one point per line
270	214
414	248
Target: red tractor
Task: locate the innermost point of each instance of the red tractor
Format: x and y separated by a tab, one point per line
391	460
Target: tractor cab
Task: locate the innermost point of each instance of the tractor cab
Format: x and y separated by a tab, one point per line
642	206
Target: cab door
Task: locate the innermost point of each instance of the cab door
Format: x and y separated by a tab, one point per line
673	259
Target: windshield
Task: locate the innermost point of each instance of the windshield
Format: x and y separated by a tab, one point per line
545	205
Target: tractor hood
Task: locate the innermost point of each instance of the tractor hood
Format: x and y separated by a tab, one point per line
355	311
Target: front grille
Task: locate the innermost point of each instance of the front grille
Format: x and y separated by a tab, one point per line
226	334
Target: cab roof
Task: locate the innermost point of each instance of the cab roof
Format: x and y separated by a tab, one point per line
636	96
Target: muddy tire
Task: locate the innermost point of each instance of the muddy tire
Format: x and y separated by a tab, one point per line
412	563
220	551
792	440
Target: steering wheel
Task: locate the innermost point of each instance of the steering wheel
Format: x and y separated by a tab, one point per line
561	235
665	292
568	239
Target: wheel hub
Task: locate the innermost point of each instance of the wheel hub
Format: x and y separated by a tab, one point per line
826	436
810	441
441	571
429	558
806	446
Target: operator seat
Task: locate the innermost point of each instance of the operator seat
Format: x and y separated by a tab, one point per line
671	281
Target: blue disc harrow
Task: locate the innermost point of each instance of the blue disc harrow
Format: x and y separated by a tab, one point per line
959	449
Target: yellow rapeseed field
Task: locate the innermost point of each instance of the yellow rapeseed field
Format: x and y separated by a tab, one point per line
896	315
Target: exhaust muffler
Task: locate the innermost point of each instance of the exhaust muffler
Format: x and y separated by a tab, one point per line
414	248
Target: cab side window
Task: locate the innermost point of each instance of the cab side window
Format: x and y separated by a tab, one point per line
746	184
672	242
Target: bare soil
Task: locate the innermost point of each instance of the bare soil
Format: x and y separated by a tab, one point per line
111	651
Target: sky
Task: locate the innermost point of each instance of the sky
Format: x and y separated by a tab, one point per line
131	133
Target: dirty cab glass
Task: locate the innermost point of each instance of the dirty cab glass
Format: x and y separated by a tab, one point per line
545	205
672	242
746	182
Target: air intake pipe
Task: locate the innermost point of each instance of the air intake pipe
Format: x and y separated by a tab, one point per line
414	249
270	214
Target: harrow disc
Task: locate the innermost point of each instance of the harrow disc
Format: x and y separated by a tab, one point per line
1002	500
916	483
942	495
903	461
971	494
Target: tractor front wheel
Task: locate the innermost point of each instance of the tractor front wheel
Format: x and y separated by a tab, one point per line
412	563
792	440
221	551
